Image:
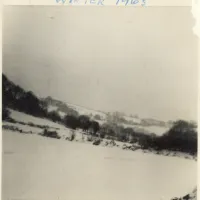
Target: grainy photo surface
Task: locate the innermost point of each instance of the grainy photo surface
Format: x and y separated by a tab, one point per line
99	103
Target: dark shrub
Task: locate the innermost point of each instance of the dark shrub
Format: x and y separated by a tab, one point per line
186	197
54	116
23	123
90	138
94	127
181	137
52	134
107	130
96	142
97	117
31	124
71	121
102	134
84	122
73	135
112	143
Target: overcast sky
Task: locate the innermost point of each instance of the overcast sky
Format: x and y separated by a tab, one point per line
135	60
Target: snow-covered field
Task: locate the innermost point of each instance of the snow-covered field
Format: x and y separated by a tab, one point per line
133	119
38	168
19	116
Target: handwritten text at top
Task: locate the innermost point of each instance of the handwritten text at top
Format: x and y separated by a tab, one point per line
103	2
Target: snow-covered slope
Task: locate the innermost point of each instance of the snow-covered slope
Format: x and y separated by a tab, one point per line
148	129
133	119
86	111
19	116
143	125
28	119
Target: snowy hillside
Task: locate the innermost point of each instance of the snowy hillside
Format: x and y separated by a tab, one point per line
86	111
147	126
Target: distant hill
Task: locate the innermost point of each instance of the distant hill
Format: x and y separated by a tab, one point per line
59	106
71	109
140	125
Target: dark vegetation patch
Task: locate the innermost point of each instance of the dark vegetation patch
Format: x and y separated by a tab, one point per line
51	134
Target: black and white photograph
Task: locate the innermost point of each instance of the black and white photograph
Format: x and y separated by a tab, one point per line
99	103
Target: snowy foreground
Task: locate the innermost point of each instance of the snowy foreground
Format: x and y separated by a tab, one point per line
41	168
38	168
